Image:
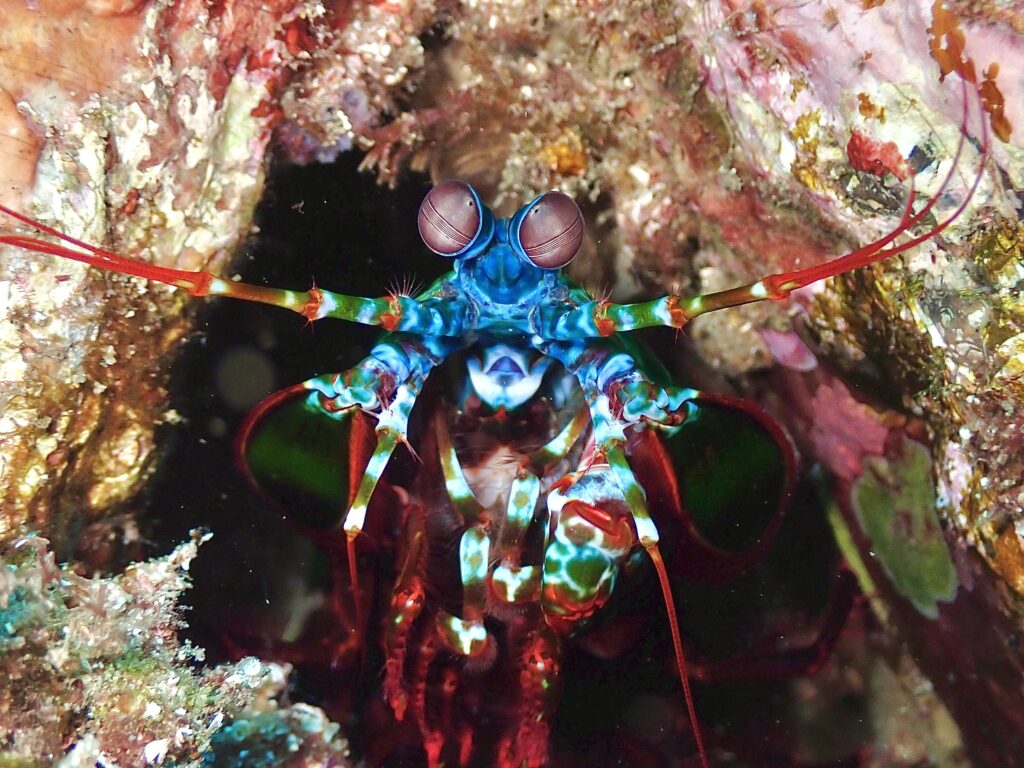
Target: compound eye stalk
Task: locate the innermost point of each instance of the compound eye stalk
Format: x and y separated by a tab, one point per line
550	232
451	218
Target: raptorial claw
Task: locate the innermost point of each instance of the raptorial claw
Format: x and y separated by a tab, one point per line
592	538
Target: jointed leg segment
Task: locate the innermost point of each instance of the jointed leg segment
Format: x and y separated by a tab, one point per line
619	397
384	385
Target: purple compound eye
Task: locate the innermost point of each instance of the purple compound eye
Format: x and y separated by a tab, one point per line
450	218
551	231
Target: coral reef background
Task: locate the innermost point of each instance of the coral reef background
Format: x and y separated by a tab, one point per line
709	144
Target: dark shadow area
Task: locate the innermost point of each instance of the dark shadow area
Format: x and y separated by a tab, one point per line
324	223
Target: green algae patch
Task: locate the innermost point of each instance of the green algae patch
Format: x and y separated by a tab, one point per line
894	500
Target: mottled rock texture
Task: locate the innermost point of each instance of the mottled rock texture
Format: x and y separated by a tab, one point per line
93	667
132	126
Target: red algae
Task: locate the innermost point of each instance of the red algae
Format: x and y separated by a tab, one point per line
844	430
875	157
993	103
947	42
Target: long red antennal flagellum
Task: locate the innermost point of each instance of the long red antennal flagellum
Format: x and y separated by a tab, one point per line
780	285
601	318
38	225
677	646
196	283
313	304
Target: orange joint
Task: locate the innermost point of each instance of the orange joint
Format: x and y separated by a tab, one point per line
777	287
605	326
330	405
197	284
675	312
390	319
564	484
311	309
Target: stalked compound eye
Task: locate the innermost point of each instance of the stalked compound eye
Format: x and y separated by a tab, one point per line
549	231
452	220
